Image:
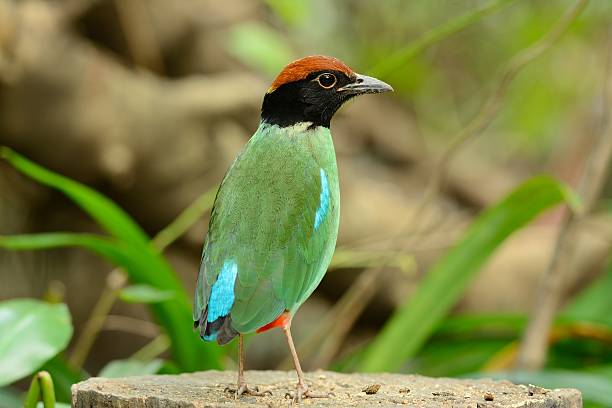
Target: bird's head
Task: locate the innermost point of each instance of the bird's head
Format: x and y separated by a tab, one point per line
312	89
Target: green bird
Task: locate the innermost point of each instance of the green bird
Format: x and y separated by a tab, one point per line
274	223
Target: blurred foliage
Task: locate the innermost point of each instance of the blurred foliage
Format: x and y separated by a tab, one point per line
594	304
416	321
260	47
405	333
129	248
32	333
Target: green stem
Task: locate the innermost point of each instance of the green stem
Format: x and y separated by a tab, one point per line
115	281
41	383
33	393
185	220
46	387
152	349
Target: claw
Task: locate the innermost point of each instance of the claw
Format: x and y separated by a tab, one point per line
302	391
243	389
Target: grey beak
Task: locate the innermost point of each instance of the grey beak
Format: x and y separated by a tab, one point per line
365	84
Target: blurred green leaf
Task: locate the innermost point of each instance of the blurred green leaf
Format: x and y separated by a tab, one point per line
132	250
455	356
32	333
476	323
109	215
595	388
10	398
169	368
414	322
144	294
292	12
126	368
594	303
260	47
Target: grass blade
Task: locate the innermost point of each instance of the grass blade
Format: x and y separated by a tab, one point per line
108	214
185	220
414	322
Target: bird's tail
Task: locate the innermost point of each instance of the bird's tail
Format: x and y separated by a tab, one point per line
219	330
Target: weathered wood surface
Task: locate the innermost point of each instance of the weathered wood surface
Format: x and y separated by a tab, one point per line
208	389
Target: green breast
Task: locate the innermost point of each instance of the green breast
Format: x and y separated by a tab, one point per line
276	217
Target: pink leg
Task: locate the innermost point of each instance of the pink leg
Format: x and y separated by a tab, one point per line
302	390
243	388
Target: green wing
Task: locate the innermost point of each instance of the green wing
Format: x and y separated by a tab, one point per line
273	219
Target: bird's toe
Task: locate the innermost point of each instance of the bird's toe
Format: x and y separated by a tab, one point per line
244	389
302	391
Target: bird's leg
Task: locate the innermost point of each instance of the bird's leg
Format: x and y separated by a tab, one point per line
302	390
243	388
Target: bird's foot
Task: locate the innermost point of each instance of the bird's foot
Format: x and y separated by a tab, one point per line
302	391
243	389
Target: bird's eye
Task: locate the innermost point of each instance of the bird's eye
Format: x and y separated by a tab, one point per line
327	80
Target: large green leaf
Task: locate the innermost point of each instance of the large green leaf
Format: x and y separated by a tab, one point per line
142	267
414	321
108	214
129	367
32	333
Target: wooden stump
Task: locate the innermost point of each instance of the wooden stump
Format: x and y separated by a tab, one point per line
209	389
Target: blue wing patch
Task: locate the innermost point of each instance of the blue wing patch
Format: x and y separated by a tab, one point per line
222	291
323	201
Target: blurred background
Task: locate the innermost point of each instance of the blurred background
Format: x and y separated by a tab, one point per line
149	101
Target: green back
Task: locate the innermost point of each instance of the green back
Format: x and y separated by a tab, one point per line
264	220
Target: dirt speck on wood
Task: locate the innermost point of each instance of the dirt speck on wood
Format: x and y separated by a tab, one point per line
371	389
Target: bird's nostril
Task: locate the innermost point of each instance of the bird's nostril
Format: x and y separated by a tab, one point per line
359	80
